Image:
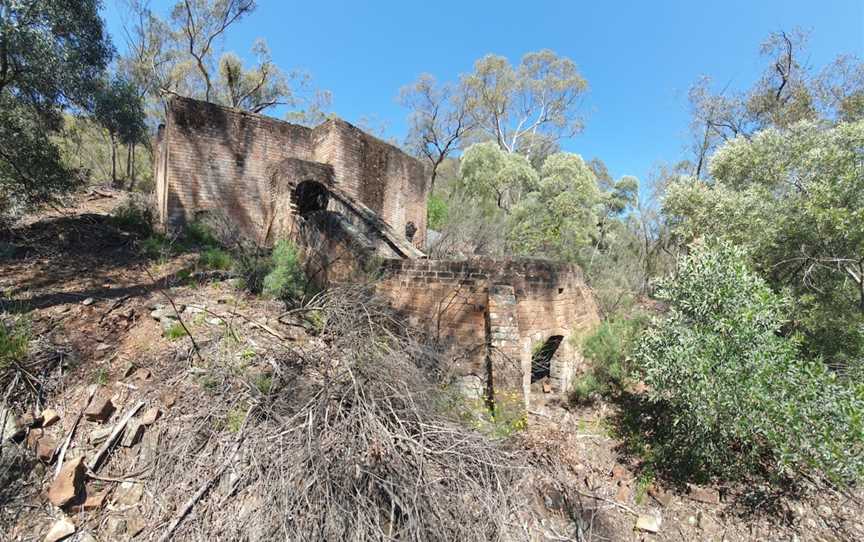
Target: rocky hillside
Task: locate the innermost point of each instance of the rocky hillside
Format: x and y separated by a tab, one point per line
154	400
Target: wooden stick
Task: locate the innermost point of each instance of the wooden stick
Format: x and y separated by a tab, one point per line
63	448
94	465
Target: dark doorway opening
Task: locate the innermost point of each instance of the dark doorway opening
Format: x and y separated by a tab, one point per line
541	359
310	196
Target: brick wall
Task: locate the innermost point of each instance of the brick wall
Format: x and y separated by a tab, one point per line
506	306
219	158
214	157
382	177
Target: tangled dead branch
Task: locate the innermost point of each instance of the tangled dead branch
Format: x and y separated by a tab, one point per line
353	441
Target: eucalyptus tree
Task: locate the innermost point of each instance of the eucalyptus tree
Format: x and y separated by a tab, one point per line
52	56
438	122
539	97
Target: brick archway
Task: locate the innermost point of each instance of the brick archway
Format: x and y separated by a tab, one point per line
310	196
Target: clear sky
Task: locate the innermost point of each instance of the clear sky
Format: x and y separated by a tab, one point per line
639	57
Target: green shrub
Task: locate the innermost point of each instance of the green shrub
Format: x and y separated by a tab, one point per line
436	212
586	387
175	331
739	397
215	258
200	233
607	351
155	246
135	215
286	280
14	342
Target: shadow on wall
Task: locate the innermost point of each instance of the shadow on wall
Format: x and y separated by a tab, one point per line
541	359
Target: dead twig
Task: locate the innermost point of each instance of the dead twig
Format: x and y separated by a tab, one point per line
121	425
62	454
205	487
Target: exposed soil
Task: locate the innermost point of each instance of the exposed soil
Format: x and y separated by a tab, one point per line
89	296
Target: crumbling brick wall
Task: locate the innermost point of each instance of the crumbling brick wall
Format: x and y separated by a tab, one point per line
212	157
494	313
217	158
382	177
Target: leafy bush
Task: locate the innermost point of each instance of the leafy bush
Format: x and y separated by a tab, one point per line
608	350
286	280
739	396
14	342
200	232
436	212
135	215
215	258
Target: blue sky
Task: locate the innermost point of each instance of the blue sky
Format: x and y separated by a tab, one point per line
639	57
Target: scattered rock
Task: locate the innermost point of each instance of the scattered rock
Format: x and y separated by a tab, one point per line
115	527
214	321
60	530
102	347
620	473
86	537
150	417
128	369
133	433
706	495
9	430
134	525
649	523
664	498
49	417
32	439
68	484
94	501
623	493
45	449
89	301
98	436
128	494
100	408
168	398
547	387
141	374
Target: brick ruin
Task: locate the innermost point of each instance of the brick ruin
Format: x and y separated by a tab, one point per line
355	203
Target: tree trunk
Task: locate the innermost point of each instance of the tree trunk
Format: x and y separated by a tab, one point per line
113	160
132	166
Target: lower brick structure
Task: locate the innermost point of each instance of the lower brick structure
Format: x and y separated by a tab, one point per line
496	316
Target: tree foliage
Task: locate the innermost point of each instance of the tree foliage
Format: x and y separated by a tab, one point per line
788	92
739	397
541	95
794	200
52	56
559	216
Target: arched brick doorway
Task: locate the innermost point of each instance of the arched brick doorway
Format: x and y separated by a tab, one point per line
310	196
541	358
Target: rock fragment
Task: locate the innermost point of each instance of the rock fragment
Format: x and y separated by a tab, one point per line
150	417
648	523
49	417
69	483
705	495
60	530
100	408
